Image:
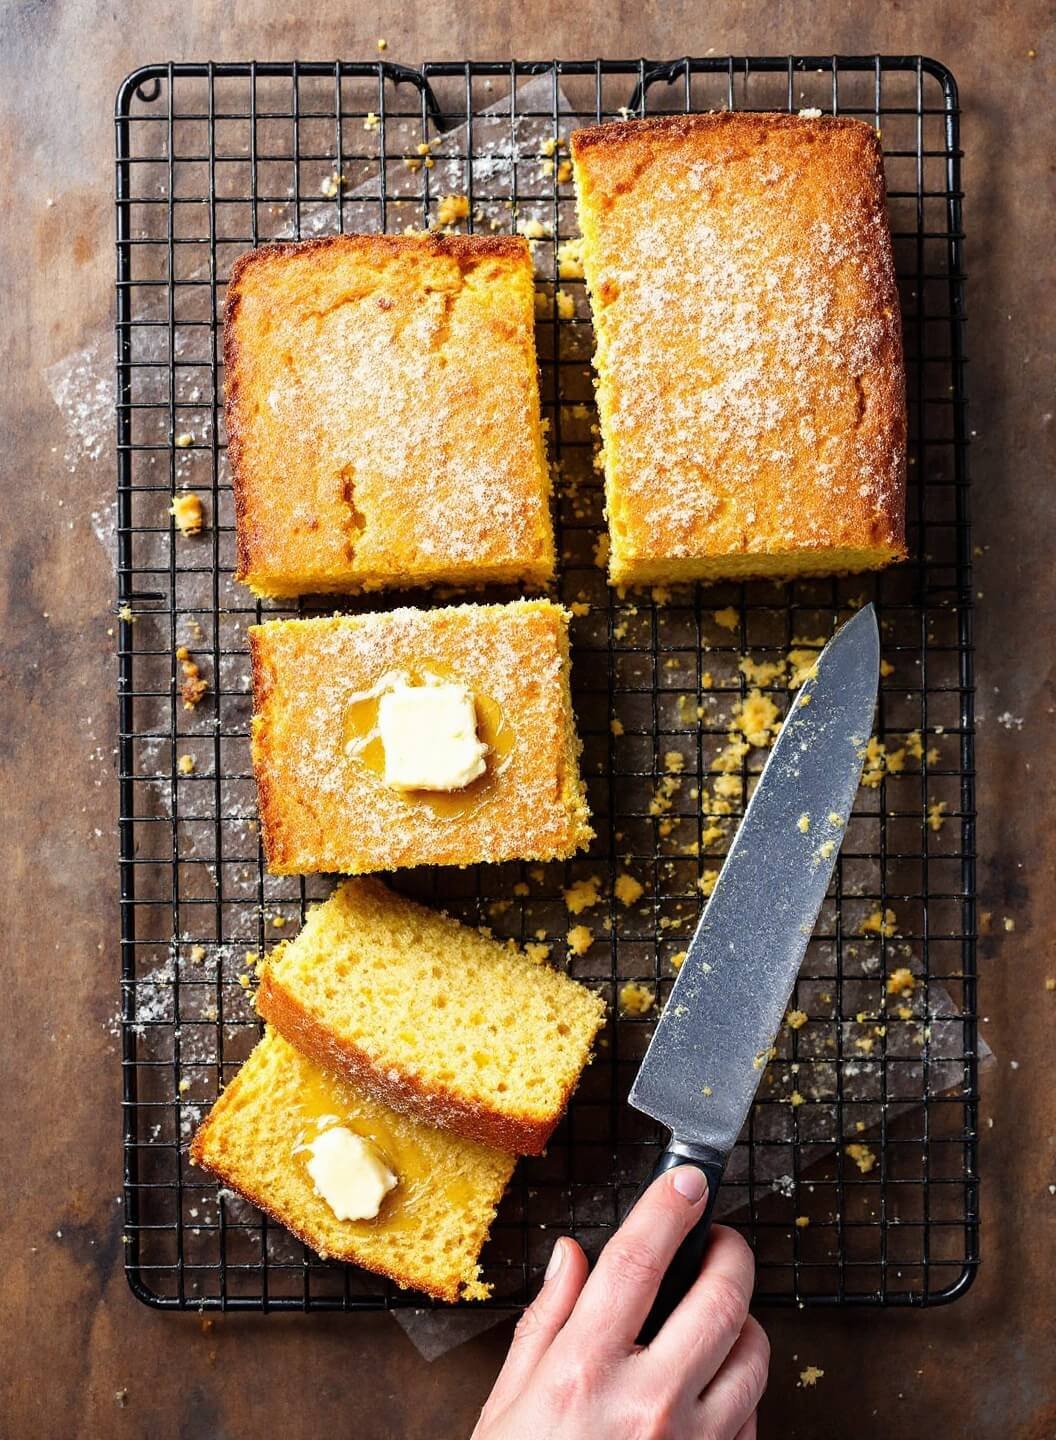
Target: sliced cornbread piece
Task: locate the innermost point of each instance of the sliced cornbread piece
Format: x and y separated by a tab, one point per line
382	409
433	1017
750	374
320	759
430	1228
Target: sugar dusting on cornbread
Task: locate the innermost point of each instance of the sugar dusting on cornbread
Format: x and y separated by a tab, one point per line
382	405
750	374
325	807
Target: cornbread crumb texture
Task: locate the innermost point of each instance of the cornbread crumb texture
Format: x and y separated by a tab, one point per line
383	412
186	510
636	998
325	808
432	1016
750	373
430	1228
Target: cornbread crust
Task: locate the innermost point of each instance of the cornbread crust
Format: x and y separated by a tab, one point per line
483	1017
751	382
248	1141
323	810
382	408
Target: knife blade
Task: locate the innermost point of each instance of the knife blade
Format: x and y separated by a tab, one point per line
715	1035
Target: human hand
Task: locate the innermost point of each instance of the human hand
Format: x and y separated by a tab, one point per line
575	1372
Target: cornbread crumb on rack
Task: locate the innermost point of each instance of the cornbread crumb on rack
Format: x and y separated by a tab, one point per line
432	1017
628	890
324	804
579	939
879	922
750	376
862	1155
186	510
636	998
583	895
430	1229
382	404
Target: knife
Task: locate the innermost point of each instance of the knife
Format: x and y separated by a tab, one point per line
714	1037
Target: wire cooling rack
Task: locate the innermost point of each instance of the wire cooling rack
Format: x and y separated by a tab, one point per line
213	159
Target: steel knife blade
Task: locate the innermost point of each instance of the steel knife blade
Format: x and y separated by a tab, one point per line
714	1037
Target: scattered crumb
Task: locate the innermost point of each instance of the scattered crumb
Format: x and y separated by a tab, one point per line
125	613
601	550
729	619
796	1019
566	305
331	186
886	668
186	510
185	764
1009	924
198	954
706	883
580	939
383	44
835	819
532	229
636	998
184	1085
194	686
862	1156
570	262
279	921
802	1221
628	890
616	726
811	1375
674	761
877	924
371	121
521	888
452	209
826	848
184	440
796	1099
901	981
1050	982
537	952
758	717
564	172
679	959
583	895
803	823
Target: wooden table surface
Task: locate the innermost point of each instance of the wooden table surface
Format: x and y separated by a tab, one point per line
82	1357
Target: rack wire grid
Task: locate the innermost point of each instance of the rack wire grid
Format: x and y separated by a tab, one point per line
855	1179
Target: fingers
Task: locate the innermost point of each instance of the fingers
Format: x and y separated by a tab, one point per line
545	1316
617	1297
701	1330
731	1400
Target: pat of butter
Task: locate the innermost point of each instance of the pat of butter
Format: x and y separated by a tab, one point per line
429	734
348	1173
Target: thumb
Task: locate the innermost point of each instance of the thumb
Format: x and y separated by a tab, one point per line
537	1327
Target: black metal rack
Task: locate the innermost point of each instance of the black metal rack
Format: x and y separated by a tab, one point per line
215	158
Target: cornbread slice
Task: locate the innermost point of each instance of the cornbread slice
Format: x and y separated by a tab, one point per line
324	805
382	411
750	374
433	1017
430	1229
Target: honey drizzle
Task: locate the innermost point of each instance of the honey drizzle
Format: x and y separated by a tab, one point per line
363	743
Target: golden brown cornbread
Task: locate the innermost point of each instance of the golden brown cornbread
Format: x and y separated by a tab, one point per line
323	808
433	1017
382	409
430	1229
750	374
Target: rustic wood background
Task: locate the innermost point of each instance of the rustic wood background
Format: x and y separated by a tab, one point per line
77	1344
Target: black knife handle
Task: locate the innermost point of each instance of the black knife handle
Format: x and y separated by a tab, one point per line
685	1267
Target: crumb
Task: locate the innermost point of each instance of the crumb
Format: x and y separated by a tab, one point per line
1050	982
886	668
371	121
184	1085
679	959
674	761
186	510
616	726
796	1099
826	848
876	762
628	890
1009	924
580	608
763	672
521	888
579	939
706	883
383	44
193	687
636	998
125	614
570	260
331	186
796	1019
802	1221
809	1377
803	823
184	440
279	922
532	229
728	619
121	1398
476	1290
566	305
564	172
198	954
835	819
914	745
862	1156
185	764
901	981
758	717
583	895
537	952
601	550
877	924
452	209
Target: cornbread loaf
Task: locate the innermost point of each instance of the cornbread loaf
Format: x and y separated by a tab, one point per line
430	1229
749	363
432	1017
324	803
382	409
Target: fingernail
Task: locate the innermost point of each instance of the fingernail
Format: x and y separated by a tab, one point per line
557	1259
690	1182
